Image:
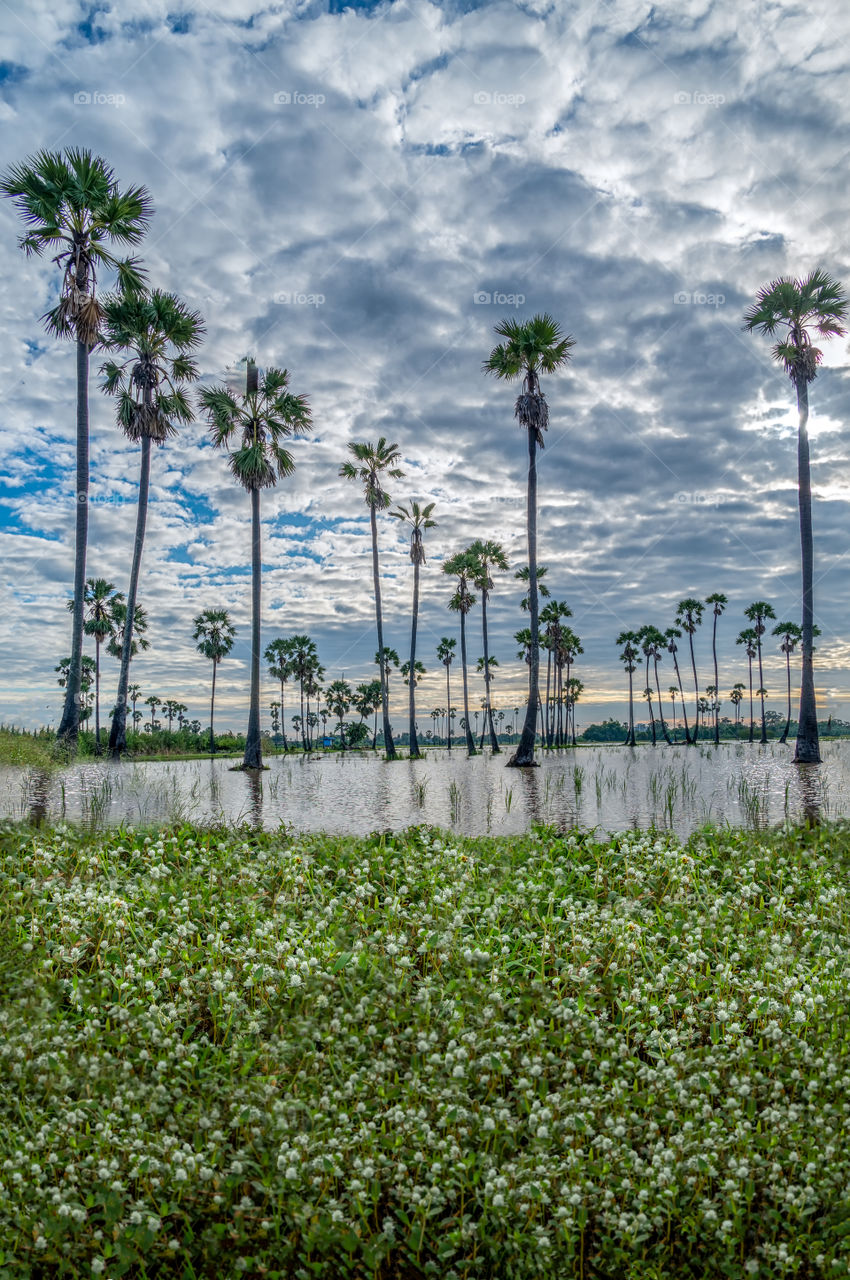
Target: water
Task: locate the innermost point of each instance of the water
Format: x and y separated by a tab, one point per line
603	788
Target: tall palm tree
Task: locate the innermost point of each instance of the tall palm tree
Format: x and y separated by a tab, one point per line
338	696
655	639
569	648
646	637
71	203
463	567
488	671
153	702
152	336
719	603
139	641
214	633
552	616
759	613
253	427
748	638
628	643
795	308
671	635
445	654
688	617
277	655
674	693
372	464
100	603
487	556
419	519
531	347
575	688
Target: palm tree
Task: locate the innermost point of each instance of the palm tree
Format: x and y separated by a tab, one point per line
87	669
139	641
214	633
575	688
487	670
735	698
486	557
551	616
671	635
385	660
133	695
338	696
759	613
748	637
303	658
791	635
153	702
688	617
257	423
445	654
719	602
646	637
627	643
366	701
674	693
277	655
71	203
655	639
312	689
463	567
524	575
569	649
795	307
100	602
532	347
158	333
713	704
419	519
372	463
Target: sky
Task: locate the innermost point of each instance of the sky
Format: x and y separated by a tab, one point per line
360	193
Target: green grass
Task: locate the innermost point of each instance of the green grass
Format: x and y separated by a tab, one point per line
18	746
239	1053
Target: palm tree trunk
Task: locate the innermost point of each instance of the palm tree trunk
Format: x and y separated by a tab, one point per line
648	688
253	758
661	705
524	754
807	750
696	683
630	739
69	726
118	731
212	711
761	695
97	695
448	712
682	698
470	741
716	685
547	718
752	720
488	710
414	743
787	728
388	738
303	717
283	712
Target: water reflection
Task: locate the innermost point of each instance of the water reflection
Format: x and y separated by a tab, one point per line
604	788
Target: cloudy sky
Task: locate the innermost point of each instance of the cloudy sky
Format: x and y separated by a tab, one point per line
359	194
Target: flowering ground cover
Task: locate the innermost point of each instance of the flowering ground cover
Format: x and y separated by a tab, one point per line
255	1054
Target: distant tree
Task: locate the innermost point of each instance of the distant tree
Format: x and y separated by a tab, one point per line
688	617
759	613
671	635
487	557
748	638
418	519
445	654
101	599
462	566
718	602
628	643
214	633
339	696
277	655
